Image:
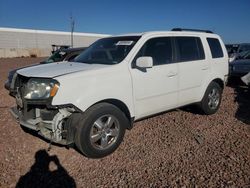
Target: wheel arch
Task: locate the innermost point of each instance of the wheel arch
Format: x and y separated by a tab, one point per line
204	103
219	81
122	106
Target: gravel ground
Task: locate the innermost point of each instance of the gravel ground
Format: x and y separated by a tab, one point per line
175	149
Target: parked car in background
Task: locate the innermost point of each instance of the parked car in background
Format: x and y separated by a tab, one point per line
63	54
118	80
243	47
231	48
241	65
56	47
246	79
239	51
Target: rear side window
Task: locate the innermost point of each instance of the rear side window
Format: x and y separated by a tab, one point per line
189	49
215	47
160	49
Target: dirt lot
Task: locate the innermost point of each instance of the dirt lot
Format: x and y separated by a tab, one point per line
176	149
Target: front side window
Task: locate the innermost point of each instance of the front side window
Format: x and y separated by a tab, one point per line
189	49
160	49
108	50
215	47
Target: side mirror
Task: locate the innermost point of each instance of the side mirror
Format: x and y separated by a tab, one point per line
144	62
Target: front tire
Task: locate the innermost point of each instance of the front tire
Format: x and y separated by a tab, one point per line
211	100
101	130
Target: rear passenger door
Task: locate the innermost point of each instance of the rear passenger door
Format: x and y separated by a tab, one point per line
193	68
156	89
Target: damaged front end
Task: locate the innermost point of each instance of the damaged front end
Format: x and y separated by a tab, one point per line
34	110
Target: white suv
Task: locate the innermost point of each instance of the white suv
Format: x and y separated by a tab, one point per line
118	80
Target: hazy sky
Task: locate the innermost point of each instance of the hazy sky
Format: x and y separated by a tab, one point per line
230	19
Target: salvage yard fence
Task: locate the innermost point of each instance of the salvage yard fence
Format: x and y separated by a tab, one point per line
28	42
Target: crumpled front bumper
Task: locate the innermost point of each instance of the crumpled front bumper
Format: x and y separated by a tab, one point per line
19	117
47	129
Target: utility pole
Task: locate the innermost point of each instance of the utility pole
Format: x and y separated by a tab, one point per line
72	24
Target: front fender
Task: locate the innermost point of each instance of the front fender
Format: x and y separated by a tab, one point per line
83	89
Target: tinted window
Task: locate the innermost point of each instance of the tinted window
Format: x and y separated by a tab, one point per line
215	47
160	49
189	48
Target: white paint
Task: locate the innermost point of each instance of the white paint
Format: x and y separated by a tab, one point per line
57	69
157	89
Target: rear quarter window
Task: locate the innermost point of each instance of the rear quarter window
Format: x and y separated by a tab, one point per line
215	47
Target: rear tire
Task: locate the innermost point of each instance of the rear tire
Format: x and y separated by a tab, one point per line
100	130
211	100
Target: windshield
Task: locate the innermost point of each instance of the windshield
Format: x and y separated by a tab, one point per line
108	50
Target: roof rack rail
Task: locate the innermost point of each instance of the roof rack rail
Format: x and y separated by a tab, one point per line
195	30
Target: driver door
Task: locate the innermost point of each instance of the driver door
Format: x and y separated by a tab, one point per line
156	89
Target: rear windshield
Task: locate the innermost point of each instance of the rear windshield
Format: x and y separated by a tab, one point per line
108	50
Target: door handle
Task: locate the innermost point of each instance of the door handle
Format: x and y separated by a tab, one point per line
171	74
